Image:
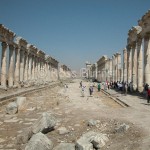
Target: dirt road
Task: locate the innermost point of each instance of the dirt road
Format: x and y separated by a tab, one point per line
74	112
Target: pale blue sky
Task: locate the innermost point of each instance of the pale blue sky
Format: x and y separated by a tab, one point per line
74	31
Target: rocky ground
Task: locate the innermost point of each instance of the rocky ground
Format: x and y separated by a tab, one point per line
74	113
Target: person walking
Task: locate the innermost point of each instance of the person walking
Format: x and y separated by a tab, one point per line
91	90
82	90
81	84
65	88
99	87
125	88
148	94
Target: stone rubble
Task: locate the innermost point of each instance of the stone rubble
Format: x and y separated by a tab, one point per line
91	140
65	146
122	128
45	123
39	141
12	108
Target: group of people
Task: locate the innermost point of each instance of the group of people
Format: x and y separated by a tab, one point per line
91	88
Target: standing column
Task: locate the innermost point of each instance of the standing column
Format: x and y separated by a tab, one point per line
11	66
139	65
147	59
116	69
26	67
129	65
33	67
125	65
119	67
17	66
36	68
4	64
113	68
134	66
30	67
21	65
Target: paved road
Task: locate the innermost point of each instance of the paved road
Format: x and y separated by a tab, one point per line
138	112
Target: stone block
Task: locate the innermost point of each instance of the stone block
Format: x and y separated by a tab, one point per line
45	123
12	108
39	141
21	103
23	137
65	146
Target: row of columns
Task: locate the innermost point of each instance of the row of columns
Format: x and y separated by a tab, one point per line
136	68
109	69
23	63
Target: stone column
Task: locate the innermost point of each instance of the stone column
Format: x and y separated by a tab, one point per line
4	65
33	67
134	66
11	66
125	65
17	66
36	68
21	65
139	65
26	67
147	59
129	65
113	68
30	67
118	67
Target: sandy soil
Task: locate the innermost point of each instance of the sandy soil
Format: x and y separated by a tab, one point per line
73	112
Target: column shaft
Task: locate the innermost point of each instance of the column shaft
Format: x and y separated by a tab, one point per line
21	65
140	66
17	66
26	67
134	67
11	66
125	65
147	59
4	64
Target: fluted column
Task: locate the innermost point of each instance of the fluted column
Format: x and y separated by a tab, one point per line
33	67
21	65
113	68
36	68
129	65
26	67
17	66
147	59
139	65
11	66
125	65
4	64
30	67
118	67
134	66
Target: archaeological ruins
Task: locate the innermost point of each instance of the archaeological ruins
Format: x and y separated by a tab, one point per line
24	64
44	106
135	66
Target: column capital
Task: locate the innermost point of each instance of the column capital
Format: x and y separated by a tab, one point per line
133	45
11	47
4	44
139	41
147	36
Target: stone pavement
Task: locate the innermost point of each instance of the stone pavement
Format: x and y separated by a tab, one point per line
131	100
9	95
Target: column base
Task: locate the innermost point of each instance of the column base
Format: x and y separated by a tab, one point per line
134	88
140	89
3	87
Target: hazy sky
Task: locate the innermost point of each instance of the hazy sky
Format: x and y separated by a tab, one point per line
74	31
